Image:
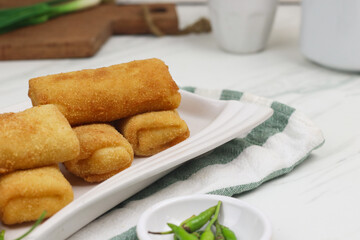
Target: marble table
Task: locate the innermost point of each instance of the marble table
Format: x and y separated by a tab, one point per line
319	199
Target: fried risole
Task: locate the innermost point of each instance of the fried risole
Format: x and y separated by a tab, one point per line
153	132
108	93
36	137
103	153
25	194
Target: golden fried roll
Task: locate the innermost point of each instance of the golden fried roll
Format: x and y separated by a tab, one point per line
109	93
103	153
36	137
25	194
153	132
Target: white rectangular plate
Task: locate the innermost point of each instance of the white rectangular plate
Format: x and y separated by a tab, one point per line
211	123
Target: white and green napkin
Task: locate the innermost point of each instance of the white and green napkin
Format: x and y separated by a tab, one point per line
270	150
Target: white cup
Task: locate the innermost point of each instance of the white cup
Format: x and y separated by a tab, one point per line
242	26
330	33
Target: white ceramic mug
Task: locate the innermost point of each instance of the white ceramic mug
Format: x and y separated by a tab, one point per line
242	26
331	33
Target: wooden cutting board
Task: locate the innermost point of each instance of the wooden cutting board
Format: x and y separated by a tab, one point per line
81	34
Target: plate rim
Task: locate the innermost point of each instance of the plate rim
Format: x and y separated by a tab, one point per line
40	232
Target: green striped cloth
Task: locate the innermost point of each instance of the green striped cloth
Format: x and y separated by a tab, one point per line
270	150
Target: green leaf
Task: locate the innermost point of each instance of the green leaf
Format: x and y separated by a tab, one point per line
72	6
27	22
2	235
40	219
13	16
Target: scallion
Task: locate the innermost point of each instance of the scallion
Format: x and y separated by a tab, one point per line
13	18
2	235
40	219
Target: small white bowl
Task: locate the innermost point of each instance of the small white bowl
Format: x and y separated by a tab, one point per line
247	222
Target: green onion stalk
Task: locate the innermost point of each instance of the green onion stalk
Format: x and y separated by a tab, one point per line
2	235
37	223
14	18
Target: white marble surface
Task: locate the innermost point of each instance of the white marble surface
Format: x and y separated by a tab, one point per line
320	199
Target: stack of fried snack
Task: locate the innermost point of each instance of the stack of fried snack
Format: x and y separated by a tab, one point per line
93	121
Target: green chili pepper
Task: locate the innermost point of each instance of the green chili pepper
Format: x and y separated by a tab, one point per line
171	231
175	237
208	234
218	234
228	234
2	235
181	233
187	220
200	220
197	233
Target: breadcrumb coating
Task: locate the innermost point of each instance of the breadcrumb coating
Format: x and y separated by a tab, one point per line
36	137
25	194
153	132
108	93
103	153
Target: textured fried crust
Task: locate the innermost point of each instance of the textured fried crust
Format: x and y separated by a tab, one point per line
36	137
109	93
25	194
103	153
153	132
